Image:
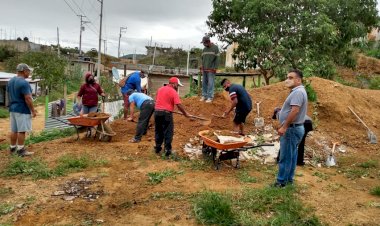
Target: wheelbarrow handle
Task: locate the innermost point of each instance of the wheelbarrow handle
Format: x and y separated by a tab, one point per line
256	146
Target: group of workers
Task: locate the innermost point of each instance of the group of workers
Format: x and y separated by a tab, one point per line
291	116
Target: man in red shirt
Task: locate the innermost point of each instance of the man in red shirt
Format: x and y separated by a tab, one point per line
167	97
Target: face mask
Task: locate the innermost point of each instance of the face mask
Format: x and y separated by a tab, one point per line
91	81
227	89
289	83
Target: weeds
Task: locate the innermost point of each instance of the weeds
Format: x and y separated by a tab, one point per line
246	178
69	163
6	191
321	175
158	177
268	206
6	208
369	164
356	173
375	191
168	195
4	113
48	135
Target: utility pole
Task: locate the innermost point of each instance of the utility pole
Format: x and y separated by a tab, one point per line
122	30
100	40
58	41
105	47
154	52
82	22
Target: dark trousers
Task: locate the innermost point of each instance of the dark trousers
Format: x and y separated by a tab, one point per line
308	125
146	111
164	127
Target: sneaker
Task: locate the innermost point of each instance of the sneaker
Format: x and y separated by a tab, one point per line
157	150
133	140
13	150
202	99
209	100
23	152
278	185
168	153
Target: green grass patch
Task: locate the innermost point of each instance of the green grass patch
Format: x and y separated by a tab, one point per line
356	173
168	195
4	113
197	164
321	175
6	208
246	178
4	146
268	206
376	191
369	164
6	191
158	177
38	169
48	135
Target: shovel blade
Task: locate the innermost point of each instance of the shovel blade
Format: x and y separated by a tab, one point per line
372	137
331	161
259	122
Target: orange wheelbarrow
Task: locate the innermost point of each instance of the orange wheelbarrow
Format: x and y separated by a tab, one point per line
103	131
220	152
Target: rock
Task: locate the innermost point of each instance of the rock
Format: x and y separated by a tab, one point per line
58	193
68	198
20	205
99	221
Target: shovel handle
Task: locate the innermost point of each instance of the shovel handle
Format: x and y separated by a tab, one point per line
191	116
358	118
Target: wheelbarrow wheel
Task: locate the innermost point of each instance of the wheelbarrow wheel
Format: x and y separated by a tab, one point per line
106	138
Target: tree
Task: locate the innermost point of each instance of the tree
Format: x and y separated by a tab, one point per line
277	35
46	65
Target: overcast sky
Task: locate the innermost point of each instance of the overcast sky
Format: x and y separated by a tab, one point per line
176	23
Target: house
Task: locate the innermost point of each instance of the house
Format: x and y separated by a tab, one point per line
230	61
4	79
24	46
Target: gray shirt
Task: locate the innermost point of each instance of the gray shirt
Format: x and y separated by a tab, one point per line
297	97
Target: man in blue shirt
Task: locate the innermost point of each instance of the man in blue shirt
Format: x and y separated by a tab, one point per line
146	105
130	82
241	101
21	109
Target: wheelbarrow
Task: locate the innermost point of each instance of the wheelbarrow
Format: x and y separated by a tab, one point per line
227	151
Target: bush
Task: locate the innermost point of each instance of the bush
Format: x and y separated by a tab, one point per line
374	83
6	52
311	94
4	113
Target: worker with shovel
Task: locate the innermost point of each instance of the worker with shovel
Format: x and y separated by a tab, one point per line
167	97
146	105
292	117
241	101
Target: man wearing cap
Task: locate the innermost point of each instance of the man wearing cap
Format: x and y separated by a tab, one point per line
241	101
210	62
167	97
146	105
291	131
21	109
130	82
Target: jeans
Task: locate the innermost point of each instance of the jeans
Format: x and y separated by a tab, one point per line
164	128
288	154
88	109
146	112
208	85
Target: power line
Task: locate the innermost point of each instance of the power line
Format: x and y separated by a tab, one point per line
70	7
80	9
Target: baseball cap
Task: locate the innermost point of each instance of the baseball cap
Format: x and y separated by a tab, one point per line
205	39
23	67
175	80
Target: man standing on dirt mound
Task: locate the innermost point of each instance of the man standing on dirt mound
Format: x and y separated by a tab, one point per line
210	62
167	97
21	109
291	131
130	82
241	101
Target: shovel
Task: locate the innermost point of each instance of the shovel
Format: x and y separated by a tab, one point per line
331	160
371	136
203	121
259	121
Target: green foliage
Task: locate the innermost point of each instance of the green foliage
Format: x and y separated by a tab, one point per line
158	177
109	87
4	113
6	208
212	208
35	168
68	163
268	206
48	135
6	52
6	191
311	94
310	35
168	195
246	178
374	83
369	164
46	66
376	191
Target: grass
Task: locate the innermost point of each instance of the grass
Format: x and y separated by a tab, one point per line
375	191
369	164
168	195
246	178
356	173
6	191
6	208
197	164
4	113
38	169
321	175
267	206
158	177
48	135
